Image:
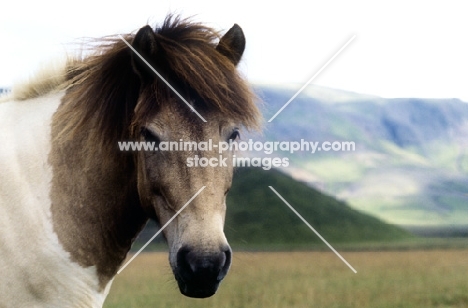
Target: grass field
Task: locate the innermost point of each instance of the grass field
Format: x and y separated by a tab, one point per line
432	278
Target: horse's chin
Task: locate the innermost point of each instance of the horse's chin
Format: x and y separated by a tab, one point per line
197	289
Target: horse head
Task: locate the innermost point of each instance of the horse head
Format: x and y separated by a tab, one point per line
206	77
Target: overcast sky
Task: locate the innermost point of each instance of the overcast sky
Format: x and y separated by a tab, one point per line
401	49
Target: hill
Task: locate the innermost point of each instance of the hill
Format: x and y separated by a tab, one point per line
255	215
410	163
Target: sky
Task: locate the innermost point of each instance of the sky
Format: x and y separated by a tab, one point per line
401	48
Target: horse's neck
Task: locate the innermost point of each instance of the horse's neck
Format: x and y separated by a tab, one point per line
95	205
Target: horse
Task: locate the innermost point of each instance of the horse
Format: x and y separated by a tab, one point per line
72	203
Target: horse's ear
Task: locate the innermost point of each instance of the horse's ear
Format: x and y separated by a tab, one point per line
145	44
232	44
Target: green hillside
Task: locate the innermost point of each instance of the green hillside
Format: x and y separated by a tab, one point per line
255	215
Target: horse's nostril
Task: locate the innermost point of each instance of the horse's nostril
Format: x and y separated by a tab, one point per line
227	263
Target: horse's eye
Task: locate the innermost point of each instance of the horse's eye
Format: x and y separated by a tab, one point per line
234	135
149	135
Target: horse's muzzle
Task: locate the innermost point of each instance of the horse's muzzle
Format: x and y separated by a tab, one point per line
198	274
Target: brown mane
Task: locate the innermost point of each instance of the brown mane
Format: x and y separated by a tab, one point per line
103	88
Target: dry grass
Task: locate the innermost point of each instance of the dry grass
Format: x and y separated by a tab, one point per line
308	279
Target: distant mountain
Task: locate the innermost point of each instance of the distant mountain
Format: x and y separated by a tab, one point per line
4	91
410	165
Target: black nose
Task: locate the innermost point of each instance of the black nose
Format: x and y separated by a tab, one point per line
199	273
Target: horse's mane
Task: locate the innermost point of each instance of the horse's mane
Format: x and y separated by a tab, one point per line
103	87
50	77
